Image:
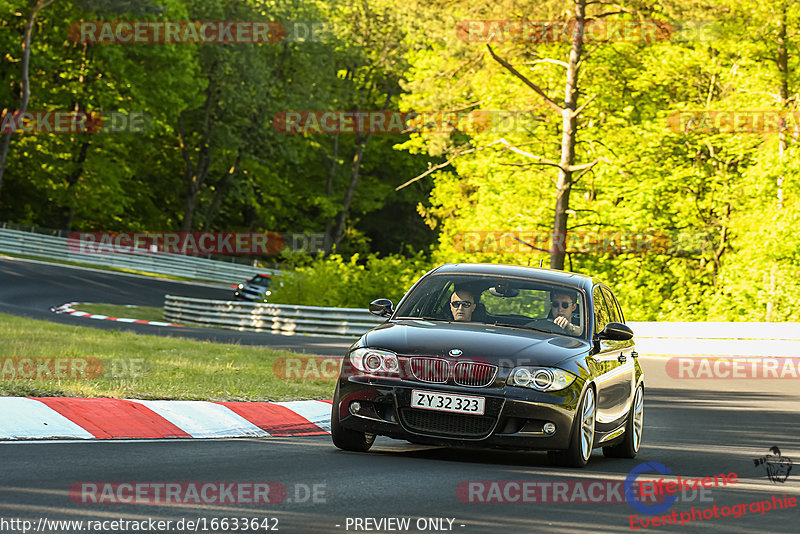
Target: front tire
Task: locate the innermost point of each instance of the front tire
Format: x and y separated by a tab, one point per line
634	427
582	441
346	439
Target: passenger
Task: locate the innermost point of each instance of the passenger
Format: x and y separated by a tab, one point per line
562	306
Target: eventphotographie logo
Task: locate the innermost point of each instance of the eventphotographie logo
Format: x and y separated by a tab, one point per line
778	467
667	490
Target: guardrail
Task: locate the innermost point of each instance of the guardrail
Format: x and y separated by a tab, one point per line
55	248
731	339
264	317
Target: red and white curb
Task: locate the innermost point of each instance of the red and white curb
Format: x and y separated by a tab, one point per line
100	418
68	308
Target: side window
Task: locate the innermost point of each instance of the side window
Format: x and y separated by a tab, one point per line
619	308
442	303
601	315
613	309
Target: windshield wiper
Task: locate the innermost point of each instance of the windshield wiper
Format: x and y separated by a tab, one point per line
425	318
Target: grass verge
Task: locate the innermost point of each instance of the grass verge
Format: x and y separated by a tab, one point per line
143	367
143	313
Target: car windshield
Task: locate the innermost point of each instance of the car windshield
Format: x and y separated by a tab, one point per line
259	280
497	300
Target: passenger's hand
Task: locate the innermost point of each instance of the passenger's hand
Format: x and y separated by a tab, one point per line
561	321
564	323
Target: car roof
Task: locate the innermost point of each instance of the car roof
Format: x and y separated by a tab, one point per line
537	273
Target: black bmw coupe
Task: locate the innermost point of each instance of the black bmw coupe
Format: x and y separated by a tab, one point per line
500	356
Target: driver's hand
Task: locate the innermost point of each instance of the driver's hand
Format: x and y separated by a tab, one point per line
561	321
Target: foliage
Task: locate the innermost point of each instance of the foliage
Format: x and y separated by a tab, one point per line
340	282
720	246
210	157
731	254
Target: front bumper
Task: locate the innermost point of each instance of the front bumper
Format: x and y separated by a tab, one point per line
514	417
247	295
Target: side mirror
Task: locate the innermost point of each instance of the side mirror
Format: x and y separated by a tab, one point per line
381	307
616	332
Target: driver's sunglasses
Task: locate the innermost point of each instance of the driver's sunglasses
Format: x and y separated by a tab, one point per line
564	304
460	304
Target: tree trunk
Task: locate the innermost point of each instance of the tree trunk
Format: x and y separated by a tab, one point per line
783	73
568	135
68	214
195	176
219	194
569	117
355	170
25	89
328	245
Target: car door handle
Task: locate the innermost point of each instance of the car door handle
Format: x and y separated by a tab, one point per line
622	358
634	354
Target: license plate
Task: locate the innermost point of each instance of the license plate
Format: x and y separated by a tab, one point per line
445	402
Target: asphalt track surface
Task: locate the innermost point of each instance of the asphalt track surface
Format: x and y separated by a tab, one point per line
29	289
697	428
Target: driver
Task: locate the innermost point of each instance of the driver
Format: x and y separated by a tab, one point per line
562	305
462	304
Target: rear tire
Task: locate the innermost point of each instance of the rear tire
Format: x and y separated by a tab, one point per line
346	439
582	440
634	428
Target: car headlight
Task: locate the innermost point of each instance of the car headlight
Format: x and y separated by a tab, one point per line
240	286
375	362
541	378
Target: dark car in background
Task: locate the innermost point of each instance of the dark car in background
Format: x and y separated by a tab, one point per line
257	288
509	374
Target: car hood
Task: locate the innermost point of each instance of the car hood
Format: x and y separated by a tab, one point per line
503	346
255	287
